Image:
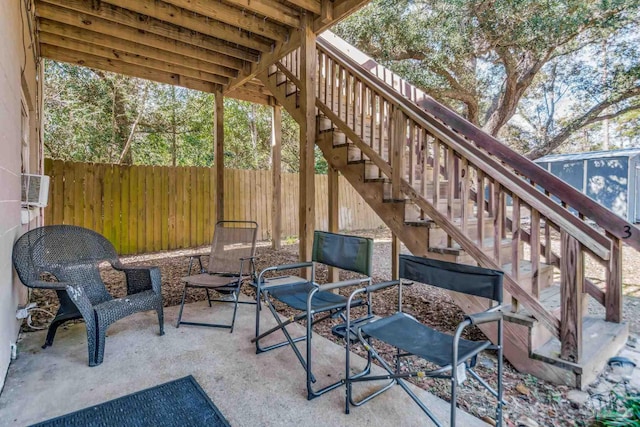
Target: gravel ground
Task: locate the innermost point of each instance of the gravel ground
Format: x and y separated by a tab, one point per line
530	401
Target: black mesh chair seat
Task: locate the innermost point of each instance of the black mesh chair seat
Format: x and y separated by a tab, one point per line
403	331
295	296
72	256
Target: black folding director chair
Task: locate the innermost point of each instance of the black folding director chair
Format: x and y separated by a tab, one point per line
315	303
453	356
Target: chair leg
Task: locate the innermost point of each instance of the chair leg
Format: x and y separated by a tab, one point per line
93	344
208	297
184	294
454	395
235	310
160	312
56	323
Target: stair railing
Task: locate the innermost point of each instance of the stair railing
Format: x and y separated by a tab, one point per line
460	179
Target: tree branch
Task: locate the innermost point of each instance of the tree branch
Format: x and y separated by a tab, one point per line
591	116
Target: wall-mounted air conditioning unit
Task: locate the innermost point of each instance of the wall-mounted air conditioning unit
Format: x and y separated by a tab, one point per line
35	190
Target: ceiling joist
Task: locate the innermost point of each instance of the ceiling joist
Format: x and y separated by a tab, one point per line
54	31
183	18
116	66
128	58
127	25
208	45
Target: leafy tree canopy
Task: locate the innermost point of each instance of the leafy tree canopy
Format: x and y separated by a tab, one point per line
94	116
559	66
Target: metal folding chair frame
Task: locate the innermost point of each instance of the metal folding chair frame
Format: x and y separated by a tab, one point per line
233	288
328	311
444	372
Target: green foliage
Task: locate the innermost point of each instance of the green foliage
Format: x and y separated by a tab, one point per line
89	116
623	411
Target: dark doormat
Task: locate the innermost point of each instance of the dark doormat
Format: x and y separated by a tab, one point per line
178	403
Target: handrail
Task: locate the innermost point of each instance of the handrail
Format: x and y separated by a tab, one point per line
541	313
596	242
446	118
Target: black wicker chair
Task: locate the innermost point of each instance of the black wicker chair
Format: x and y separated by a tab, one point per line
72	255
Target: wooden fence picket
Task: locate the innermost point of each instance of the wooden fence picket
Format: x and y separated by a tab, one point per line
153	208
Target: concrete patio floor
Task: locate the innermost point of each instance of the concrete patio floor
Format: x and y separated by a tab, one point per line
249	389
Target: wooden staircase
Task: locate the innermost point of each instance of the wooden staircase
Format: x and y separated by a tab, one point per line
447	191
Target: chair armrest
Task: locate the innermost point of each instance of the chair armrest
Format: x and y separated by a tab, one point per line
289	266
199	258
141	278
382	285
343	284
41	284
484	317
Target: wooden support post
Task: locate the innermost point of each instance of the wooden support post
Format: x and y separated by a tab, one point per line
613	296
333	189
571	285
218	133
535	252
398	143
395	257
307	139
276	170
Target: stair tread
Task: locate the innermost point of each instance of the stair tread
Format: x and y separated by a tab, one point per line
457	250
429	223
598	336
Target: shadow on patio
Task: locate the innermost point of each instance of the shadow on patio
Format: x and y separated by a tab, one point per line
249	389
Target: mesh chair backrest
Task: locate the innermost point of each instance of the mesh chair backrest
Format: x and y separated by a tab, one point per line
467	279
232	240
351	253
66	251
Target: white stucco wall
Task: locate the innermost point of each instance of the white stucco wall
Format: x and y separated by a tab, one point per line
15	53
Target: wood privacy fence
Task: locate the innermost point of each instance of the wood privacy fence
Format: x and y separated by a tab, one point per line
153	208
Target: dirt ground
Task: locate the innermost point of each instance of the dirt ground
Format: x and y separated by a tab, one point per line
530	401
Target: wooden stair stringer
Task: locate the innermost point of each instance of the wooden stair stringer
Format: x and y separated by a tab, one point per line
516	336
279	93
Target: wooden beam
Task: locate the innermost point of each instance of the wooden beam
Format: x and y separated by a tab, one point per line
340	12
244	94
221	12
326	13
266	60
172	57
333	188
276	176
311	5
182	18
128	25
307	138
271	9
218	134
116	66
137	20
84	47
571	286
